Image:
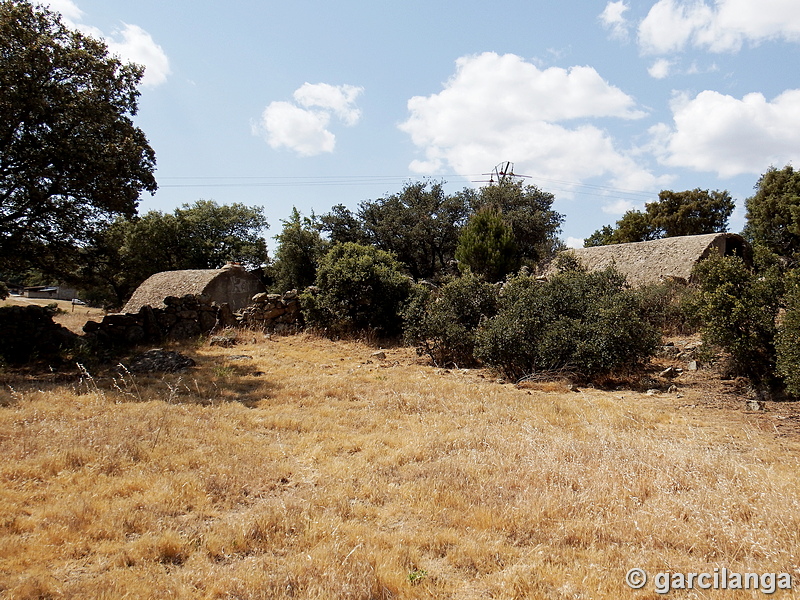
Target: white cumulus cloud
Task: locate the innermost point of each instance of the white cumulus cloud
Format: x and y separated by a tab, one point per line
498	108
618	207
660	69
613	18
715	132
134	44
723	26
131	43
68	9
339	99
302	126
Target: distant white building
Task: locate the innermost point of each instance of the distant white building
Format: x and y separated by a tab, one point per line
49	292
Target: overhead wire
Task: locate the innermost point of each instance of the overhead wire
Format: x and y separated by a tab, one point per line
547	184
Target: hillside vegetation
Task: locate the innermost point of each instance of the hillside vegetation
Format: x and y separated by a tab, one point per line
315	469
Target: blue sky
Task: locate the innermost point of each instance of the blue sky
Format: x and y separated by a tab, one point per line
604	104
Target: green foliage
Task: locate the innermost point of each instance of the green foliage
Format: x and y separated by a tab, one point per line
528	210
359	288
203	235
3	290
211	234
568	261
342	226
773	213
669	306
300	248
738	311
487	247
71	158
634	226
443	323
787	343
416	575
691	212
420	225
588	323
602	237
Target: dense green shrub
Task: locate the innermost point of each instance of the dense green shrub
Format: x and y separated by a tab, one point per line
787	343
669	306
442	323
300	248
487	247
359	288
738	310
588	323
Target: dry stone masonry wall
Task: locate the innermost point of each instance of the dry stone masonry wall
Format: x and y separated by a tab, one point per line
193	315
273	312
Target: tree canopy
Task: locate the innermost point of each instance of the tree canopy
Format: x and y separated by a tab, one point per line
203	235
420	225
529	212
300	249
487	246
71	159
691	212
773	213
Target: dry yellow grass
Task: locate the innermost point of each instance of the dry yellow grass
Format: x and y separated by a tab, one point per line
314	471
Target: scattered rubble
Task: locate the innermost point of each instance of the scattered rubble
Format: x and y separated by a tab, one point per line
159	360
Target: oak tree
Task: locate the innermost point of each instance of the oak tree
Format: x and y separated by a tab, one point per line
71	158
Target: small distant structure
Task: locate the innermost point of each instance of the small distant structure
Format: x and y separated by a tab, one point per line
231	284
50	292
501	173
664	259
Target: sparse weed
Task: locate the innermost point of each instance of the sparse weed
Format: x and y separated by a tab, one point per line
223	371
417	575
126	384
87	383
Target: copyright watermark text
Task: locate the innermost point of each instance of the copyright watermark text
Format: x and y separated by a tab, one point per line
718	579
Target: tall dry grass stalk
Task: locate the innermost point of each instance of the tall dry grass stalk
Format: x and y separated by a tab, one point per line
314	471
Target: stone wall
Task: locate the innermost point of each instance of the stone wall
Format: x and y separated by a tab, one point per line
194	315
273	312
28	332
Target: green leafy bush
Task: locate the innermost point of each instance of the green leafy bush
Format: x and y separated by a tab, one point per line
358	288
487	247
588	323
669	306
738	310
787	343
442	323
300	247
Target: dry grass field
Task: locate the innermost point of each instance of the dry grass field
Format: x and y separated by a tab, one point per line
311	469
